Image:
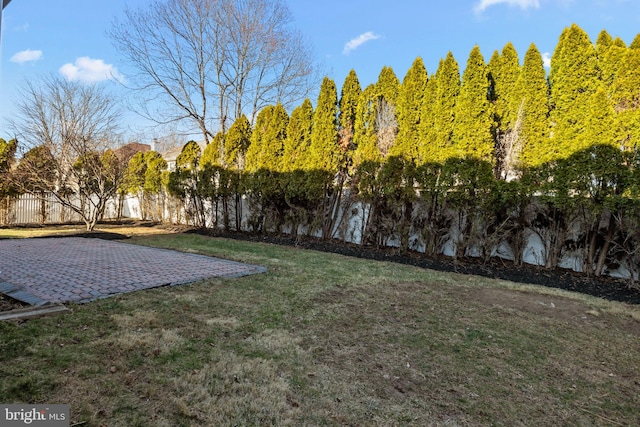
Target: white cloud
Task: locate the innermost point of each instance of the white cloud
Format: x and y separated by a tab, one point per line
90	70
355	43
546	59
523	4
23	27
26	56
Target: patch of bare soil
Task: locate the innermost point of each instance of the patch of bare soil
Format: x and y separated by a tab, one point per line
475	355
8	303
557	308
602	287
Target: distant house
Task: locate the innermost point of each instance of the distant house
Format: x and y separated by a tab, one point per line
127	151
172	154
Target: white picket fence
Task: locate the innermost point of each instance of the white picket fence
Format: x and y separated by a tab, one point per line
33	209
30	209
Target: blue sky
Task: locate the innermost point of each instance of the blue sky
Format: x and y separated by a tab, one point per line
68	37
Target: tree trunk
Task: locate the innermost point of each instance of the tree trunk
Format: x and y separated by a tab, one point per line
405	227
43	209
590	252
602	256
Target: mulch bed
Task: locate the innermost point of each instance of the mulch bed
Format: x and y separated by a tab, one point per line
602	287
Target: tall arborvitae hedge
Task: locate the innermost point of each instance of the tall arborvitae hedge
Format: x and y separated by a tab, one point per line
473	113
365	137
273	139
501	152
255	150
625	93
408	111
504	71
388	85
349	97
324	152
387	91
237	142
600	124
608	57
533	110
183	183
574	78
212	153
298	140
438	112
267	140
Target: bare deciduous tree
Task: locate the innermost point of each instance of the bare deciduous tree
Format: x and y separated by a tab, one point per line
508	148
386	125
209	61
68	128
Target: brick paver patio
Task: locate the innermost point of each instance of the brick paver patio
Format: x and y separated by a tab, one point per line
76	269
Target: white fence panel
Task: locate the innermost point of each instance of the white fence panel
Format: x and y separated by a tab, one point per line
33	209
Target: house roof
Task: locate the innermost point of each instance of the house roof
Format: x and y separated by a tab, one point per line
172	154
127	151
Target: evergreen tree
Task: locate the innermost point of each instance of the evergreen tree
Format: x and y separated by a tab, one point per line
7	154
619	42
254	152
440	104
7	159
574	78
626	83
273	139
503	78
388	85
349	96
533	111
493	68
154	175
504	71
387	91
618	67
133	182
36	170
408	109
600	126
211	153
603	43
365	129
626	97
267	140
610	54
184	184
237	142
298	140
425	128
473	113
189	157
324	153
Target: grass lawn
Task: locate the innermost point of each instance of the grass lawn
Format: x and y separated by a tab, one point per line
323	339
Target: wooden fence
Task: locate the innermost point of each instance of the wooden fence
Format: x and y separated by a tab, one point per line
33	209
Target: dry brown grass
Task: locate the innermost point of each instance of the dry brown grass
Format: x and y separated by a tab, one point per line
328	340
129	230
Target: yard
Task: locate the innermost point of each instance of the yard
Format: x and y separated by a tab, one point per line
324	339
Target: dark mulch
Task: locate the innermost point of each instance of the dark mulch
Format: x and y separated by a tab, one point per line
603	287
104	235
